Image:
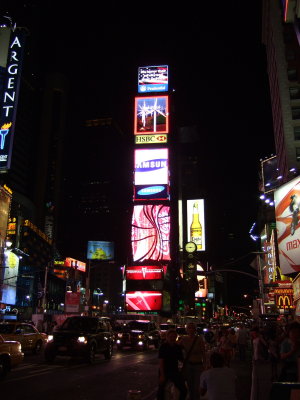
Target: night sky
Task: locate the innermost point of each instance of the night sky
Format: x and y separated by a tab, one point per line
217	68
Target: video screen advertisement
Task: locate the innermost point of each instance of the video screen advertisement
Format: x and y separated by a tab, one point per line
101	250
287	206
9	96
153	79
150	232
196	223
151	115
144	272
143	301
72	263
151	167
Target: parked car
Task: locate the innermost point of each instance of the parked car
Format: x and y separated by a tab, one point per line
10	355
27	334
138	334
81	336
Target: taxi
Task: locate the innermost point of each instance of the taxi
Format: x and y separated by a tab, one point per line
10	355
24	333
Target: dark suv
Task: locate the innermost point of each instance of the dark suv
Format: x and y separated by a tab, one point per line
81	337
138	334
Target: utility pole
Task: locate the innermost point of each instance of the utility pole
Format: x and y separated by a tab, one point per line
45	287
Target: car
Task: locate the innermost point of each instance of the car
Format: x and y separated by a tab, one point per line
27	334
138	334
80	336
163	328
10	355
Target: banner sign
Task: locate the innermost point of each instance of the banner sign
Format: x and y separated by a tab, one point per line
10	97
151	115
72	301
151	192
151	139
142	272
153	79
287	206
143	301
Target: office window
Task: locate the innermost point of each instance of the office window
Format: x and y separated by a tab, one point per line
296	112
296	132
292	74
298	153
294	92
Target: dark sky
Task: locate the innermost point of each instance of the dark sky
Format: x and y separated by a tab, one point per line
217	69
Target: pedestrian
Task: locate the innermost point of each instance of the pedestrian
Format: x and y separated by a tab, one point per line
225	347
170	354
261	367
233	342
218	382
242	342
194	350
289	353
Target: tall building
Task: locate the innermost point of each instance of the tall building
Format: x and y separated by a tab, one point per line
281	37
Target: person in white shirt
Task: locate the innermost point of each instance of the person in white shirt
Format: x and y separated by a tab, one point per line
219	382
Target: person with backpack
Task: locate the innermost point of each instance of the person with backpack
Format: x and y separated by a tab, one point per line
261	367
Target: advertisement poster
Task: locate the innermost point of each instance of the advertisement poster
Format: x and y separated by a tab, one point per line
143	301
72	301
72	263
150	233
287	206
142	272
153	79
196	223
9	288
151	192
99	250
151	115
151	167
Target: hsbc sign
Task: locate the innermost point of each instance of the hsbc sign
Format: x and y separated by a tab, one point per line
145	139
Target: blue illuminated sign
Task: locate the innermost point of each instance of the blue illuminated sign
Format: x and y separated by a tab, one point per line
153	79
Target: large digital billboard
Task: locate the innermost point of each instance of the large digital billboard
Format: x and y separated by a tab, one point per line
150	232
196	223
144	272
153	79
11	271
151	166
9	97
143	301
100	250
151	115
72	263
287	206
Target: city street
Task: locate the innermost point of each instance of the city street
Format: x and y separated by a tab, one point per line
108	380
67	378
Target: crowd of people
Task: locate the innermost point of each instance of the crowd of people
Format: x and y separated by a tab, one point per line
200	364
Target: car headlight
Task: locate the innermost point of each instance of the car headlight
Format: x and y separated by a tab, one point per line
140	336
82	339
120	335
49	338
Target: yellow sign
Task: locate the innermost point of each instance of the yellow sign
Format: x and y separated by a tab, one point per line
149	139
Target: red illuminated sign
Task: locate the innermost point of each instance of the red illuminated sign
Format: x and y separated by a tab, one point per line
150	233
144	272
143	301
72	263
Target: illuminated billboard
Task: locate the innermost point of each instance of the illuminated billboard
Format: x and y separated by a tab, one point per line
99	250
151	115
287	205
9	97
72	263
151	166
153	79
5	199
11	271
143	301
151	192
150	232
151	139
196	223
141	272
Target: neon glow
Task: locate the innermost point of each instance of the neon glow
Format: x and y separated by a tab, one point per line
143	301
150	233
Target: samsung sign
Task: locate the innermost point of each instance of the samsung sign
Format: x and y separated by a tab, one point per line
151	192
10	98
151	167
